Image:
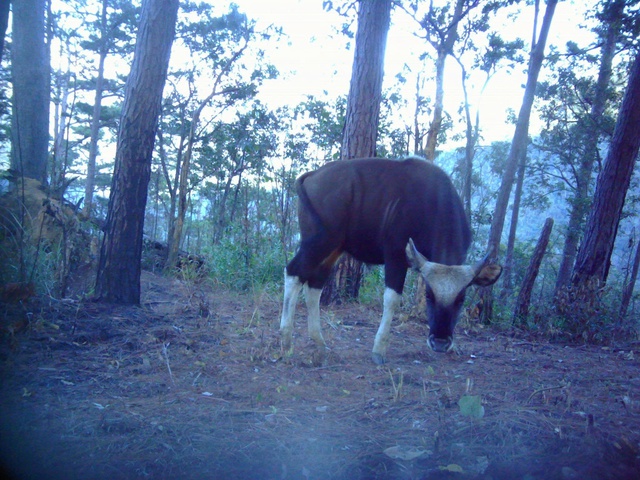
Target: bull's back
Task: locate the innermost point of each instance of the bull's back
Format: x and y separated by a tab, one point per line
373	204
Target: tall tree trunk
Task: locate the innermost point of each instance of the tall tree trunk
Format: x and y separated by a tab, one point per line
594	256
182	192
185	168
443	50
118	279
4	23
95	119
507	274
60	115
362	118
517	150
31	74
613	13
629	285
524	297
418	134
472	133
172	184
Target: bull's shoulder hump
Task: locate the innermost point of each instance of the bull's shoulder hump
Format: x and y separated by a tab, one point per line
421	164
345	170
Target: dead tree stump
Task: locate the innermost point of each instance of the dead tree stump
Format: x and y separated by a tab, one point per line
524	297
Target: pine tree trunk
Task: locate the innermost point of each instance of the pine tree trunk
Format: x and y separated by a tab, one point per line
118	279
630	283
518	148
507	274
524	297
362	118
581	201
183	185
594	256
444	49
60	124
4	23
31	90
95	120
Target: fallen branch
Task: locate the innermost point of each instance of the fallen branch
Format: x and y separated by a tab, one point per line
166	358
543	390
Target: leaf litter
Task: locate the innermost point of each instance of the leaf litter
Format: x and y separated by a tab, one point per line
169	390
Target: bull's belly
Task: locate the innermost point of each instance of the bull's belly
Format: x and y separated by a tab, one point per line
366	253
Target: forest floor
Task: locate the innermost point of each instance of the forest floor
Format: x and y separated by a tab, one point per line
191	384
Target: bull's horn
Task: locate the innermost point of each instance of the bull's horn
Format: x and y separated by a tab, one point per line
487	258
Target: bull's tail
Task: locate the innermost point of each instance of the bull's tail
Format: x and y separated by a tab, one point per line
307	205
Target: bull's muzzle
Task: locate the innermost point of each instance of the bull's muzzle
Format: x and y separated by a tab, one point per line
440	345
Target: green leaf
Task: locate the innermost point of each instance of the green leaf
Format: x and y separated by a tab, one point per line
452	467
471	406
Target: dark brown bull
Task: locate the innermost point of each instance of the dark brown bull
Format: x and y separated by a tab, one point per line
396	213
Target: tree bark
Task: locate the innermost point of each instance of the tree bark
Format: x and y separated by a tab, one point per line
183	187
95	120
61	114
4	23
471	137
581	202
365	91
31	74
517	150
594	256
507	274
185	167
118	279
442	51
524	297
630	283
362	118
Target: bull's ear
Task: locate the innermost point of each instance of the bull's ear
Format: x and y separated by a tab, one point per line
488	275
415	258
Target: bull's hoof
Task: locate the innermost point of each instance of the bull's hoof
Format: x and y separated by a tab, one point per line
378	359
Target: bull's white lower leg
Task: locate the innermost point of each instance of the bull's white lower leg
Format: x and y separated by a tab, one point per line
313	310
391	300
292	287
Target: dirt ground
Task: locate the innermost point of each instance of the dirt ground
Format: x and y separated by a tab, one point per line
192	385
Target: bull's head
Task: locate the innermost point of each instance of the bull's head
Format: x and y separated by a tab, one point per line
446	287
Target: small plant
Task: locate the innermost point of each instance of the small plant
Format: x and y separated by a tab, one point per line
372	288
396	387
585	313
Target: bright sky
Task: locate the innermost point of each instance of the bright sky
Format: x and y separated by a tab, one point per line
315	58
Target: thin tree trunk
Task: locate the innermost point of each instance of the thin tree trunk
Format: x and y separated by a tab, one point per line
178	223
60	115
4	23
172	184
524	297
183	185
581	201
594	256
507	274
517	150
630	283
185	169
472	131
95	120
444	49
220	222
418	135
